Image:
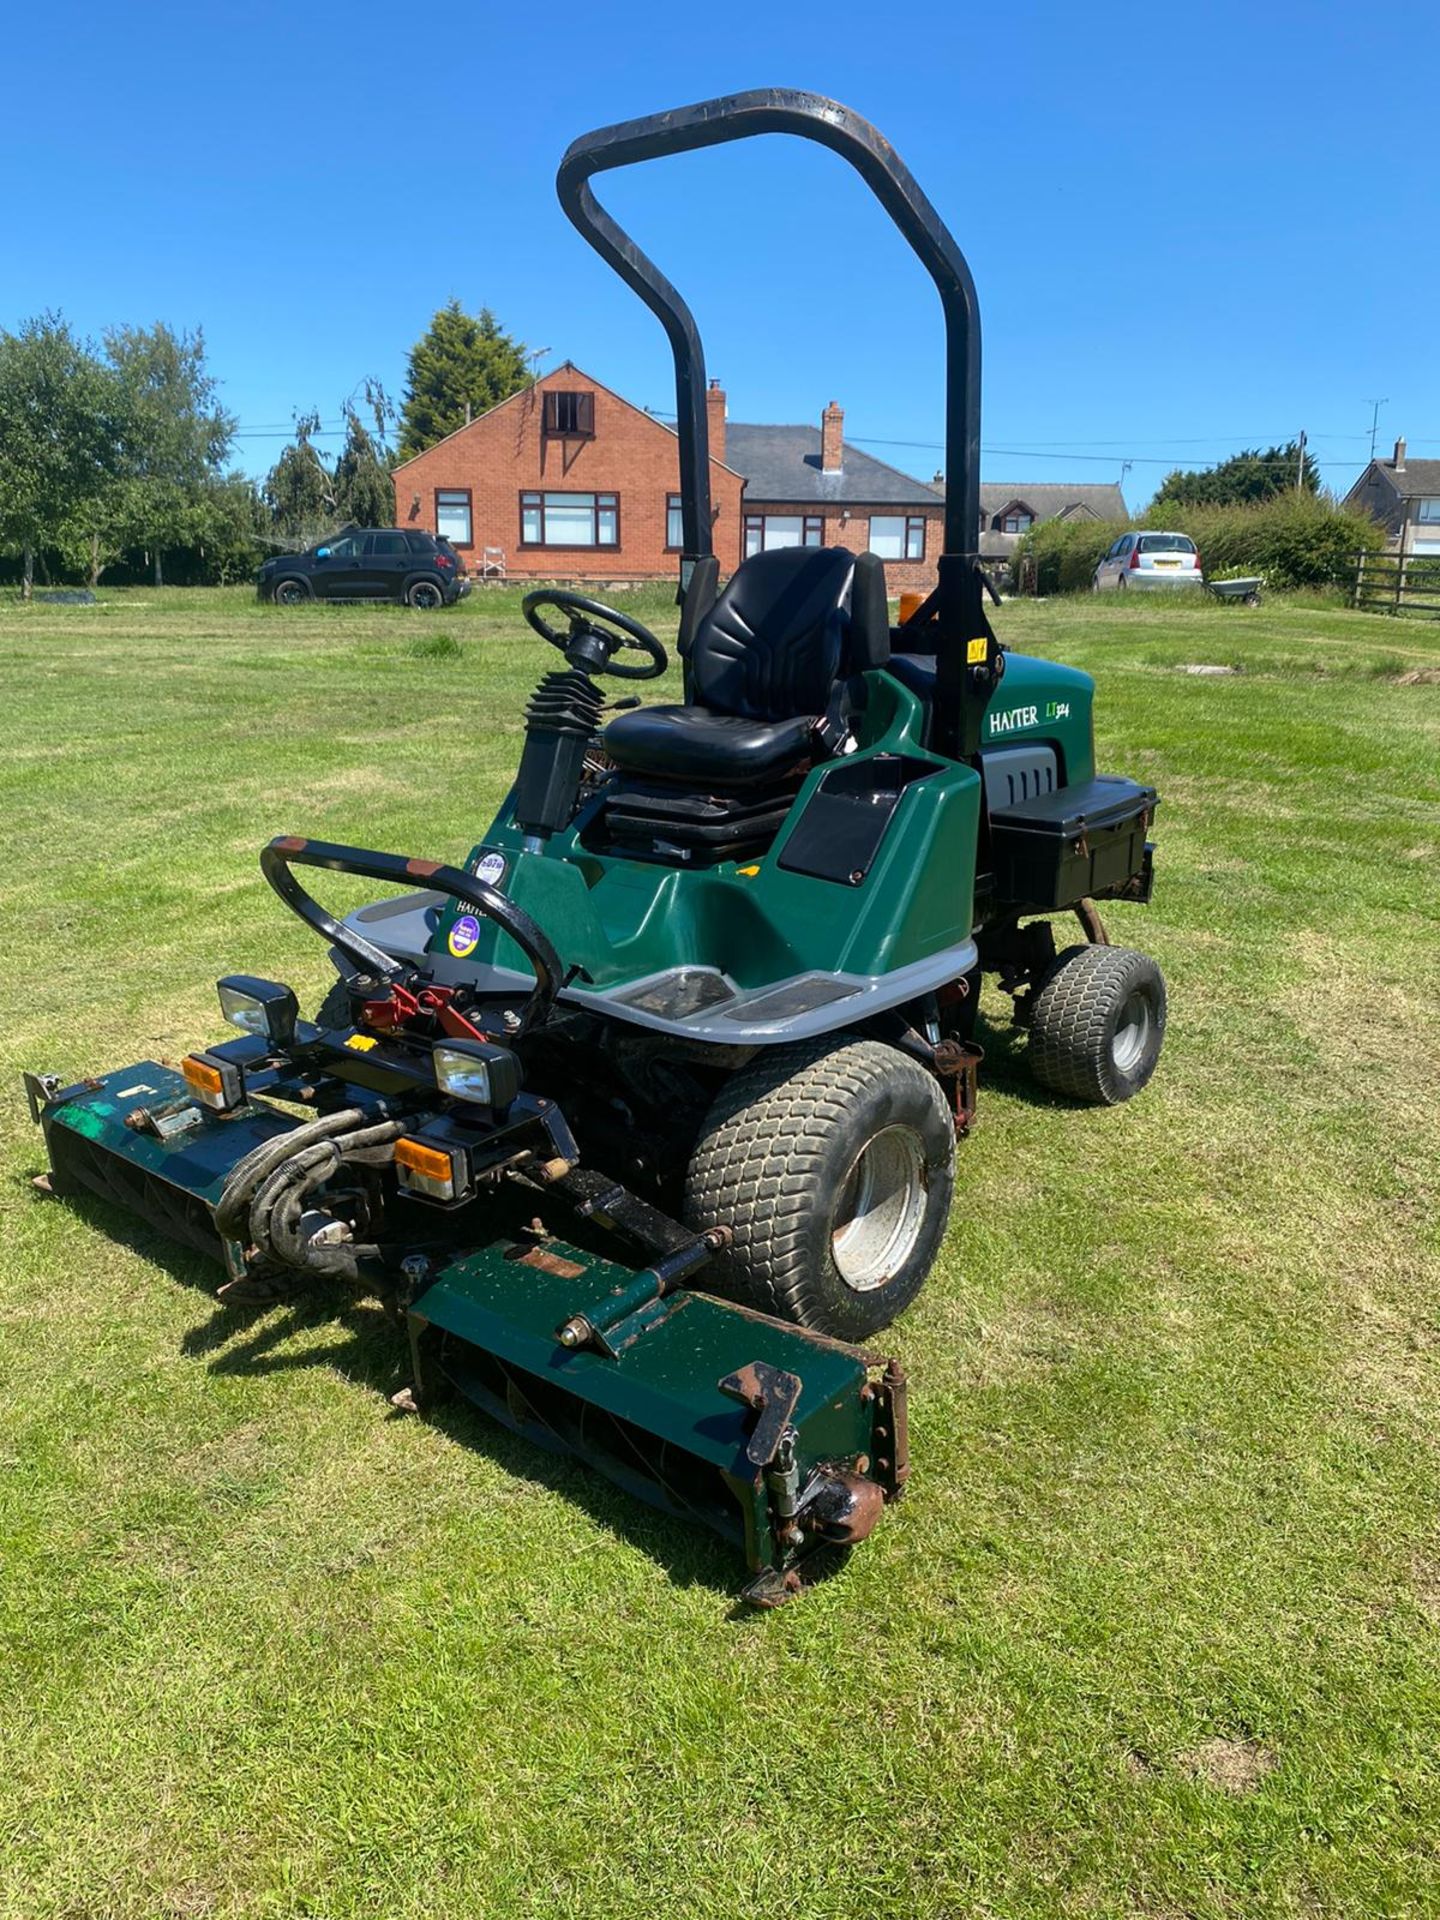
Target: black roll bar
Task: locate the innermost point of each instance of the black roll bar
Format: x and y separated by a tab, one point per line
289	850
958	610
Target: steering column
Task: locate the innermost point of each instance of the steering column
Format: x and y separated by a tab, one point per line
563	716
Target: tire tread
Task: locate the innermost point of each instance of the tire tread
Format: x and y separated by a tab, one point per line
760	1150
1069	1022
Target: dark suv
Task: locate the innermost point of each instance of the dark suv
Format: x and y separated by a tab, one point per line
360	563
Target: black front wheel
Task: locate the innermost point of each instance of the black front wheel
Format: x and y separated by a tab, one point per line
291	592
1098	1024
424	594
833	1163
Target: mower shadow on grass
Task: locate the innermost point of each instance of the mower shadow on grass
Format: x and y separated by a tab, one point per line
248	1339
1007	1071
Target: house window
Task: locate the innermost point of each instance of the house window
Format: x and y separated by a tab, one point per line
452	515
570	413
898	536
674	524
764	532
569	519
1429	512
1019	522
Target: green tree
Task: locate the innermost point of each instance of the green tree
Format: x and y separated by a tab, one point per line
177	437
463	365
231	524
364	492
63	434
1248	476
299	489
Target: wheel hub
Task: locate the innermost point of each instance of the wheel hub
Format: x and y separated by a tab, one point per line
881	1209
1132	1032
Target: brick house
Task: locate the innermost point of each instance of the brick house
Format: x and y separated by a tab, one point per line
572	482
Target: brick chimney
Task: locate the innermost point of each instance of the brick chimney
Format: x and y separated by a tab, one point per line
715	411
1399	456
832	444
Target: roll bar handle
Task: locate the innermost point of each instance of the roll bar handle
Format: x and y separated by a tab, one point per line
741	116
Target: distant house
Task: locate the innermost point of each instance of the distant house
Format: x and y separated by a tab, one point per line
1404	497
1007	510
572	481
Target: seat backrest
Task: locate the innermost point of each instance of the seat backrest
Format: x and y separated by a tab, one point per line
788	625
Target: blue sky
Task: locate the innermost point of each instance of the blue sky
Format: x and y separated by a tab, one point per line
1192	229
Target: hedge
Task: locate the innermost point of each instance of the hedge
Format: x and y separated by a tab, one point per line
1295	540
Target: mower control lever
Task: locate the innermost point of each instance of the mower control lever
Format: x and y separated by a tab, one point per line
594	634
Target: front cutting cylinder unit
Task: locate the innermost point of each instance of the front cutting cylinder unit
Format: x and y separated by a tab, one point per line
779	1439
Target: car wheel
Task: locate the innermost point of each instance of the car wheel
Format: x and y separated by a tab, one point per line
833	1163
425	594
291	592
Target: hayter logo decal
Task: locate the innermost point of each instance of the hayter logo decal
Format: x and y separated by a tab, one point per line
1017	718
464	936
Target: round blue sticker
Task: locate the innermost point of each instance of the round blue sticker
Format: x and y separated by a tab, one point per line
464	935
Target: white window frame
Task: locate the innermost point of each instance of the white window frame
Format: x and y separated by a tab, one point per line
1427	512
674	524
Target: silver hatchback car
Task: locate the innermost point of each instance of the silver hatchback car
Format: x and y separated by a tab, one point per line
1149	560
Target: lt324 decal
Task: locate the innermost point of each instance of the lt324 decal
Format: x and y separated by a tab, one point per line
1015	719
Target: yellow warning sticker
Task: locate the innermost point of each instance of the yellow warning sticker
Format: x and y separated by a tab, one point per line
361	1042
977	652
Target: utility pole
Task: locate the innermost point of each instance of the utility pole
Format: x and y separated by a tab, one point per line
1375	422
1300	463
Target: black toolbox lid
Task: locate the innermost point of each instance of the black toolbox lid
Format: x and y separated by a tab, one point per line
1109	800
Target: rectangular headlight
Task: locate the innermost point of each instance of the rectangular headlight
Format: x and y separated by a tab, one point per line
261	1007
476	1070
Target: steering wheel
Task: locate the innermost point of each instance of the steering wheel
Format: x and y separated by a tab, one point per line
594	634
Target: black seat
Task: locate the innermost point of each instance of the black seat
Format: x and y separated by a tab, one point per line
765	667
916	671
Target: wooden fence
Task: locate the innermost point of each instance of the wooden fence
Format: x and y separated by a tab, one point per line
1397	583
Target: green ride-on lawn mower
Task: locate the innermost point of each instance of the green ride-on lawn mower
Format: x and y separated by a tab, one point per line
646	1114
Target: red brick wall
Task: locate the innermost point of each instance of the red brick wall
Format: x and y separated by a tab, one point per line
505	453
854	533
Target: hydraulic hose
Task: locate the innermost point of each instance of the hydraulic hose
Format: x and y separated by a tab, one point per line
275	1212
246	1175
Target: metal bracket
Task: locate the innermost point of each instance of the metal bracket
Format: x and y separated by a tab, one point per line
774	1394
40	1090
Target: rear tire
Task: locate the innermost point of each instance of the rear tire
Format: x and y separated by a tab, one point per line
424	594
291	592
833	1162
1098	1024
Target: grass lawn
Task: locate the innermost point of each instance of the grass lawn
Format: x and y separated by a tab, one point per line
1156	1631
